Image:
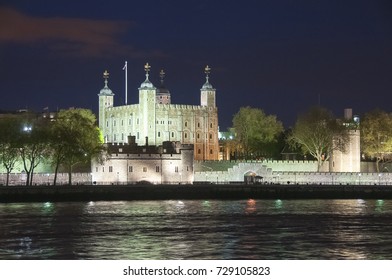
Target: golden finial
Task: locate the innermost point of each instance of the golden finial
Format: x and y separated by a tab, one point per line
106	74
147	68
207	70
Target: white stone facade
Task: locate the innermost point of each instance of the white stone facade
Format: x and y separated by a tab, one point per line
289	172
170	163
159	120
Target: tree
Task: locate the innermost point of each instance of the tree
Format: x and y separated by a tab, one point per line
33	146
376	136
254	131
9	151
75	138
318	133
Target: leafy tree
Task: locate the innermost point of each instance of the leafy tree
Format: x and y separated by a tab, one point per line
33	146
319	133
75	138
9	151
376	136
255	131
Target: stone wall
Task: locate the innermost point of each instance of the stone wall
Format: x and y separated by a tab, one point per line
46	179
290	172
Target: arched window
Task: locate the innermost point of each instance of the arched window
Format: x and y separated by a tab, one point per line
199	151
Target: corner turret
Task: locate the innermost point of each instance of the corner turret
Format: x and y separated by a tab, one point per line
207	92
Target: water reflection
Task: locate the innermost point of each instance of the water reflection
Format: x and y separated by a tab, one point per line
213	229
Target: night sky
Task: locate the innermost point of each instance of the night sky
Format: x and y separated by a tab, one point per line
281	56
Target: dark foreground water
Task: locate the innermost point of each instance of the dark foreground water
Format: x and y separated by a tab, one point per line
245	229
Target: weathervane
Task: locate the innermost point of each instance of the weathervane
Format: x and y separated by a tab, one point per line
106	77
207	70
162	75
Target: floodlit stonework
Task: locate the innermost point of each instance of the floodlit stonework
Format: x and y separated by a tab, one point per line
350	159
171	162
159	120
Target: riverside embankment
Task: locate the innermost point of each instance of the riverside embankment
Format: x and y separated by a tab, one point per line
210	191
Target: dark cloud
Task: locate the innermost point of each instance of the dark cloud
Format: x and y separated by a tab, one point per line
70	36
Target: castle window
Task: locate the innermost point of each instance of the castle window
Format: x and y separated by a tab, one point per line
187	168
199	151
137	135
176	169
130	168
172	134
159	134
144	169
114	138
122	122
157	168
110	168
107	123
210	136
185	135
96	169
198	135
122	136
137	121
114	123
211	152
103	168
186	124
210	125
198	124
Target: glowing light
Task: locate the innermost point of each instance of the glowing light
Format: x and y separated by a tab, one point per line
278	204
48	205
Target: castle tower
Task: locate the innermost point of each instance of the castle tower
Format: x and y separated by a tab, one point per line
207	92
105	101
147	101
207	147
163	94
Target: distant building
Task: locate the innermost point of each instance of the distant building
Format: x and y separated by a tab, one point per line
171	162
159	120
350	160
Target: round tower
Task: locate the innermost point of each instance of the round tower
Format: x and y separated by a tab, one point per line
163	94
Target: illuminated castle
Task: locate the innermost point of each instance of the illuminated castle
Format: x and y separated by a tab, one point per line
156	120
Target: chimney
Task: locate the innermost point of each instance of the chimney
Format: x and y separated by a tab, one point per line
131	140
348	114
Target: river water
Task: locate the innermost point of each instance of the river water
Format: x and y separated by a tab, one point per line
197	229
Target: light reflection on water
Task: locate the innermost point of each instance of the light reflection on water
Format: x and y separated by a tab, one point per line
197	229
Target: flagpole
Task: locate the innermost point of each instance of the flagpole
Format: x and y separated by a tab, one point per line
126	82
